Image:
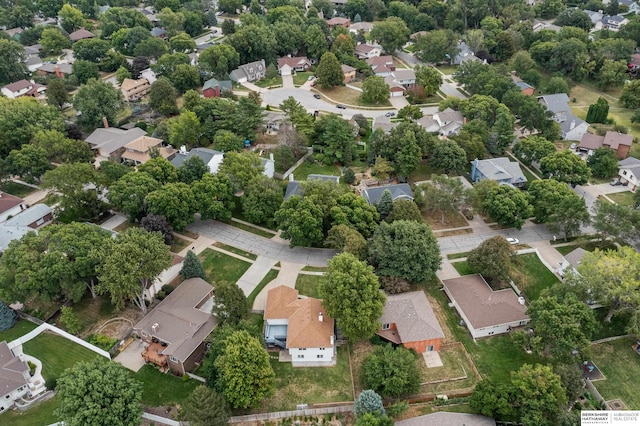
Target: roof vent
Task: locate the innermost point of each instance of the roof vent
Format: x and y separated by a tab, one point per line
155	327
320	316
521	300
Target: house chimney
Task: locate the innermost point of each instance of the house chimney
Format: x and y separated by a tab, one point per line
183	150
271	156
57	72
291	177
105	123
521	300
155	327
513	73
320	316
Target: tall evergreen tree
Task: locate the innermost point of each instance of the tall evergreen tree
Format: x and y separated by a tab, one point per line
191	267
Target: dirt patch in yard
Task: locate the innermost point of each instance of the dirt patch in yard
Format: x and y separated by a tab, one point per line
442	319
451	220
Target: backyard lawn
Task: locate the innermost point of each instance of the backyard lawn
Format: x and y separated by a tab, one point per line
623	198
57	353
308	285
39	415
20	328
221	268
163	389
16	189
309	385
307	169
621	369
531	275
454	365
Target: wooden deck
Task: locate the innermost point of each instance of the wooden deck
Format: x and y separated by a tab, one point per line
153	354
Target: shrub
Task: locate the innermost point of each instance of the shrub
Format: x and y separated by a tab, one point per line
71	320
398	408
102	341
141	125
51	383
348	176
167	289
368	402
394	285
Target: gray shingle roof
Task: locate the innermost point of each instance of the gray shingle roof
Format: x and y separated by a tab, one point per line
444	418
10	233
401	190
558	102
500	169
111	139
575	257
28	216
413	317
12	370
205	153
294	187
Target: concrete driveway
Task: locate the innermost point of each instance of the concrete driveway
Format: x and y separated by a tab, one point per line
131	356
449	89
287	82
590	193
398	102
254	88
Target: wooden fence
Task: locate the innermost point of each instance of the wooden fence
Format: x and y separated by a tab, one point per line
287	414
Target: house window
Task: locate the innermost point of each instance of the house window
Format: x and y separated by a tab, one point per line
302	349
173	359
385	326
320	356
430	348
40	221
300	356
322	349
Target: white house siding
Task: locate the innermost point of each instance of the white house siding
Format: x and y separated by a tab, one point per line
627	175
9	399
10	213
494	329
302	357
164	278
577	132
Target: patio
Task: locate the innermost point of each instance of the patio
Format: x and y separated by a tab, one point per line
153	353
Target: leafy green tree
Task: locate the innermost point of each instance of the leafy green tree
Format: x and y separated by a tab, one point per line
538	394
301	222
448	156
492	400
351	295
410	112
315	42
569	215
160	169
91	49
185	77
368	402
158	223
345	239
95	100
405	249
30	163
151	47
72	322
53	41
245	373
329	71
630	96
61	149
57	94
99	393
546	195
565	166
403	146
598	112
404	210
370	419
437	46
219	59
230	304
603	162
429	78
375	90
443	194
128	193
119	17
12	67
533	149
242	169
85	70
205	407
261	201
335	135
182	42
508	206
615	221
226	141
391	33
392	372
562	323
185	129
192	169
132	261
163	96
557	85
353	210
612	74
191	267
122	74
492	259
175	201
214	197
71	18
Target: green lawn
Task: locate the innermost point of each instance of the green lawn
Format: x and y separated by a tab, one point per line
271	275
621	367
588	246
20	328
38	415
307	169
310	385
623	198
458	255
315	268
16	189
236	250
163	389
531	275
251	229
57	353
178	244
447	69
422	172
462	268
268	82
301	78
494	357
617	326
308	285
221	268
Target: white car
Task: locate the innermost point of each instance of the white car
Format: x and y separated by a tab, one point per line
512	241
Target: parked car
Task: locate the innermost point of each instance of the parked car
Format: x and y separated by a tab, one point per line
316	96
340	106
311	77
512	241
390	114
615	182
573	146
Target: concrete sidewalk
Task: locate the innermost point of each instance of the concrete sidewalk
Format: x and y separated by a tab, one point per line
256	272
113	222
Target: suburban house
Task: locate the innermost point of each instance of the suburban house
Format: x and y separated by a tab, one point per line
525	88
294	187
10	206
176	329
338	22
571	127
399	190
596	18
81	34
349	73
384	123
139	150
14	33
33	217
213	88
571	261
301	326
14	377
400	80
395	88
23	88
59	70
211	158
614	23
619	142
382	66
158	32
134	90
445	123
629	172
272	121
288	65
408	320
110	141
268	166
32	60
149	75
252	71
632	6
464	54
485	312
542	25
365	27
449	419
165	277
501	170
367	51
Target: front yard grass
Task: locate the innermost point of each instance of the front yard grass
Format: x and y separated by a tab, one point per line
308	285
57	353
16	189
531	275
221	268
422	172
271	275
178	244
617	326
20	328
269	82
623	198
235	250
621	369
309	385
163	389
451	219
462	267
251	229
307	169
300	78
345	95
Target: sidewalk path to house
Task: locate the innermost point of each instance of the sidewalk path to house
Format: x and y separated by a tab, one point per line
288	276
113	222
447	271
548	253
261	246
256	272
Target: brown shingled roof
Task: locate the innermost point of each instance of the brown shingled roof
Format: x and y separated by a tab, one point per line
8	201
